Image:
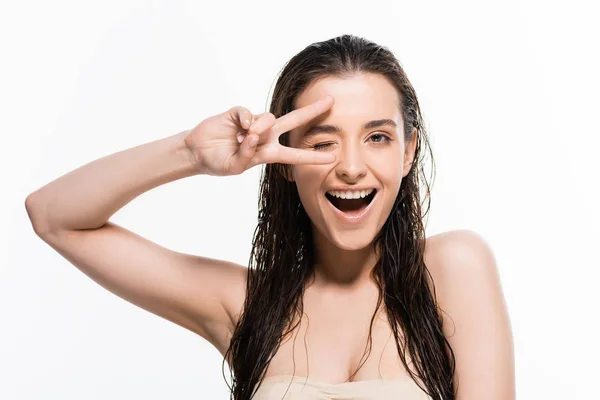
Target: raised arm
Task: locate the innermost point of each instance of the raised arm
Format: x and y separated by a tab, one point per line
204	295
71	215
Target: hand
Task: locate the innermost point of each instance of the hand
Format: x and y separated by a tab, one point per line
234	141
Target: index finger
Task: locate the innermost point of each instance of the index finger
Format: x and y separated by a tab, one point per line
302	115
292	155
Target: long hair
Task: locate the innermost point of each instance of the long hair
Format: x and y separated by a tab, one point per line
282	259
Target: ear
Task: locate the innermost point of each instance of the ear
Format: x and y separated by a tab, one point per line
409	152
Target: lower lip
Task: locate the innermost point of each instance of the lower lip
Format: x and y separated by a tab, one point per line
353	218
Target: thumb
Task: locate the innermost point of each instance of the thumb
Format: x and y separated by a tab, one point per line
244	155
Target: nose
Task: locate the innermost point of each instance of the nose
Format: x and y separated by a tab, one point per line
351	166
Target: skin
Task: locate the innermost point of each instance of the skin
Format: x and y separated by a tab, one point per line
377	157
463	267
206	295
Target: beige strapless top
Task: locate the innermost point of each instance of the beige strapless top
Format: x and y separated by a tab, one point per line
303	388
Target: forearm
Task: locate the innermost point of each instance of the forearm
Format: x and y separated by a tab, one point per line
88	196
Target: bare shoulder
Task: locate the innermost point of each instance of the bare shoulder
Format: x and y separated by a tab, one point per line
231	285
234	299
451	252
475	316
455	259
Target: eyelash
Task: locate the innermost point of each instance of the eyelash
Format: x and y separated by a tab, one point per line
324	145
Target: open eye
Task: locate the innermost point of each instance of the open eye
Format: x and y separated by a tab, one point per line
382	138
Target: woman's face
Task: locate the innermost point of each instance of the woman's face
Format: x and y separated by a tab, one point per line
371	158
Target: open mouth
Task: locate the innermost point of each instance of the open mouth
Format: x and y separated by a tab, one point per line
351	205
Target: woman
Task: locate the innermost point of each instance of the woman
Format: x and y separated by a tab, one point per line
339	257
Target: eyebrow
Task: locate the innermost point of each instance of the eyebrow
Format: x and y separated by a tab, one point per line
335	129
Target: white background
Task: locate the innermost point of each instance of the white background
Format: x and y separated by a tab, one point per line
509	92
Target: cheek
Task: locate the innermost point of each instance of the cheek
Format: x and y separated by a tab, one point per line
308	180
390	173
308	175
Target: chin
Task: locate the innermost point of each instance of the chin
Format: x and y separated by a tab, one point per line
351	240
352	245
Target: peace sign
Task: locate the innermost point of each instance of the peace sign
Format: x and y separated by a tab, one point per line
234	141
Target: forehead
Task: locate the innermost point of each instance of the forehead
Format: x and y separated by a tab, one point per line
358	98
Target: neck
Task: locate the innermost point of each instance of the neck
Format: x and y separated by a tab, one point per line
342	269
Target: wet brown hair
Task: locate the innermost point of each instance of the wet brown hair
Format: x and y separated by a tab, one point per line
282	259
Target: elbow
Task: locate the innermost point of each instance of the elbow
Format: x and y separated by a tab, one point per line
35	213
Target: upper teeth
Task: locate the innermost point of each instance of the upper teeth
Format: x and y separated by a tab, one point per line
350	194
